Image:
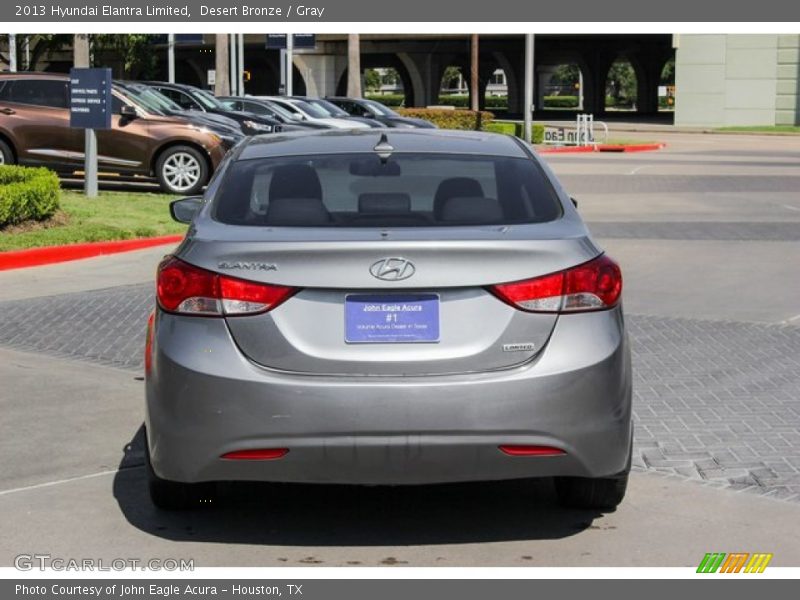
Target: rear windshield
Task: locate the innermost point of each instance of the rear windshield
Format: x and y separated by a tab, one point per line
404	190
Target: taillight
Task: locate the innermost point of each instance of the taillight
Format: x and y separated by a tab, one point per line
595	285
185	289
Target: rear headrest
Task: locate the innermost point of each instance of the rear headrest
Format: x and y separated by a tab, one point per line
472	210
453	188
298	212
389	202
295	181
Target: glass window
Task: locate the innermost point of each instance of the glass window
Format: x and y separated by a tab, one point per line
406	190
38	92
180	98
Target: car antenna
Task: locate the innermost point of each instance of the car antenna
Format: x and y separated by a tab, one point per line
384	148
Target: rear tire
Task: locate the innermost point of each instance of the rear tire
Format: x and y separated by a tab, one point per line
182	170
174	495
6	154
586	493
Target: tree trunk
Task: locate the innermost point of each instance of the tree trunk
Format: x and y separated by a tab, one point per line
80	49
474	86
222	85
353	65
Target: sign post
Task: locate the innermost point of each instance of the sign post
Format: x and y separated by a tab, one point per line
287	44
90	109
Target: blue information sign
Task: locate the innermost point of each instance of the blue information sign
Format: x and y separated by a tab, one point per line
90	98
277	41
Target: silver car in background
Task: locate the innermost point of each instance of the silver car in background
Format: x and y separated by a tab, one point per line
386	307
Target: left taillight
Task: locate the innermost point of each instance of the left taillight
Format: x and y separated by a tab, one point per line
595	285
188	290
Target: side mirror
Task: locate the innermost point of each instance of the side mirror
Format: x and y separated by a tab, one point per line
574	202
368	114
185	209
297	116
128	111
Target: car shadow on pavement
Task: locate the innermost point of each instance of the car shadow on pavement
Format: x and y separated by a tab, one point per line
342	515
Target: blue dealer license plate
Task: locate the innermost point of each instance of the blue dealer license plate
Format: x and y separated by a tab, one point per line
391	319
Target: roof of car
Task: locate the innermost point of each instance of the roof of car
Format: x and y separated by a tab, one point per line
333	141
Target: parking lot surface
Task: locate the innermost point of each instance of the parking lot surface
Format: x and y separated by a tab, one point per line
708	236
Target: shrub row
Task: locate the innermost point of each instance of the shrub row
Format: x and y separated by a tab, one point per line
561	102
509	128
450	119
27	193
392	100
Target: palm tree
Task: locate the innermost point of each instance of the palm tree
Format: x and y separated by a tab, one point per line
353	65
80	49
474	88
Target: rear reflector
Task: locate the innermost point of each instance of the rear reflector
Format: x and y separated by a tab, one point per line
531	450
256	454
595	285
188	290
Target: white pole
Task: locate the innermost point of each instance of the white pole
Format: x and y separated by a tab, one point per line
232	70
529	72
171	57
241	65
12	52
282	90
289	64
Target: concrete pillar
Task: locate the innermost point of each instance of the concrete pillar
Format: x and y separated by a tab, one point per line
320	72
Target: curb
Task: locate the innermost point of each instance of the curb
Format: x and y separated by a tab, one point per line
35	257
602	148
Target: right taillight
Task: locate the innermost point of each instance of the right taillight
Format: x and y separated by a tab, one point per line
595	285
188	290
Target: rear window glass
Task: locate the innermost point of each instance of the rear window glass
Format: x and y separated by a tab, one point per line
405	190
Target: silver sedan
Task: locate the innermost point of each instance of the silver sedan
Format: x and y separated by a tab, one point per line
387	307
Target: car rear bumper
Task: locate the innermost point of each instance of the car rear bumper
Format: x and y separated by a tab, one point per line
204	399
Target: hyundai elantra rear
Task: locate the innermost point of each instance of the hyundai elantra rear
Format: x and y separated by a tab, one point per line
387	307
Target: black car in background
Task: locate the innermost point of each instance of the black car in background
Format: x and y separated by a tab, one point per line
260	106
191	98
370	109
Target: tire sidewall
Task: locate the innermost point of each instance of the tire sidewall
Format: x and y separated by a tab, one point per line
7	154
201	159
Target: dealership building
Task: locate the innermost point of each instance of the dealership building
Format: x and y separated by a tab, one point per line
699	80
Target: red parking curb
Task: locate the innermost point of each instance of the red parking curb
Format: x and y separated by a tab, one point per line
34	257
603	148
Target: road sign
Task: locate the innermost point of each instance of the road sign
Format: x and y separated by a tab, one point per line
277	41
90	98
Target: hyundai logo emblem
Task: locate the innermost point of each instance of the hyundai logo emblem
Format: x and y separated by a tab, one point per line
392	269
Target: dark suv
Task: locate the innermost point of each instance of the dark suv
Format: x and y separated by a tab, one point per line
34	130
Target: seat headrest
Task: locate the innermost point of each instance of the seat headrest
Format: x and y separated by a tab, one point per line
473	209
388	202
297	212
455	187
295	181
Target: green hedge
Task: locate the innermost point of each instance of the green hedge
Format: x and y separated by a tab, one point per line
445	118
392	100
561	102
509	128
27	193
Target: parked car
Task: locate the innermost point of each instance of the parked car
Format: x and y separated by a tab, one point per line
259	106
381	307
337	113
189	97
304	112
156	101
34	130
371	109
